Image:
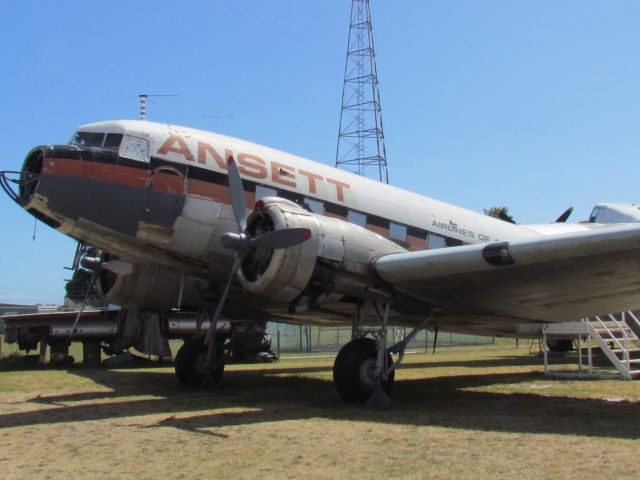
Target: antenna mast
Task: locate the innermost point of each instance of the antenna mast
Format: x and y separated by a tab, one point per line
143	97
360	136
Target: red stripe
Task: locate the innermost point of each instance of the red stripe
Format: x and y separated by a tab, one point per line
100	172
335	215
137	178
416	243
379	230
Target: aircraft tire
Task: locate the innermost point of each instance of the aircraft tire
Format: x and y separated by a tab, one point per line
190	364
353	371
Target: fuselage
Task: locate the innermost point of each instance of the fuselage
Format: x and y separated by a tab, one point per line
157	194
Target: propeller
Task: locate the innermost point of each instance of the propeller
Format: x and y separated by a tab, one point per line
119	267
242	244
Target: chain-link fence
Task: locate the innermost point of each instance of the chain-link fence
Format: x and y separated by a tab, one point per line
310	338
288	338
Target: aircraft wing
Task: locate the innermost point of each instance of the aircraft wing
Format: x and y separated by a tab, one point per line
554	278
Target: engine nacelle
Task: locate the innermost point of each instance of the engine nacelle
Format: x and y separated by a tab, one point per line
152	288
334	262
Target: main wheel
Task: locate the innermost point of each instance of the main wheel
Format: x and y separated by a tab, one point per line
191	360
354	369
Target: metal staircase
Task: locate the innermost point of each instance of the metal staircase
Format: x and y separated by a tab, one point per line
616	335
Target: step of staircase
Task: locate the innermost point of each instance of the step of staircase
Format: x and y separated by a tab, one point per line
614	330
614	339
622	350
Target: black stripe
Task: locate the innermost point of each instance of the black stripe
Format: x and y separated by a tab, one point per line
196	172
378	221
336	209
417	232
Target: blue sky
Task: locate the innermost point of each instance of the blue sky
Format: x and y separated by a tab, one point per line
530	104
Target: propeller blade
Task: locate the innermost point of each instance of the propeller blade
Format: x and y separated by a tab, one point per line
92	281
563	218
287	237
237	261
211	347
238	201
119	267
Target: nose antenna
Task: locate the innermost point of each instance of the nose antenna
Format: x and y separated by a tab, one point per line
6	181
143	97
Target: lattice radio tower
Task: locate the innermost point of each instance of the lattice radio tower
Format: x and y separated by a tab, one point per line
361	137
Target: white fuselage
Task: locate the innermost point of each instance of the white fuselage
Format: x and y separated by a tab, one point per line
357	195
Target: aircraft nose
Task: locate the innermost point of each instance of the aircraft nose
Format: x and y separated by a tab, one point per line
27	179
30	174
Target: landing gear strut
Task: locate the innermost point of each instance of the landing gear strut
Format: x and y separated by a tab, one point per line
364	370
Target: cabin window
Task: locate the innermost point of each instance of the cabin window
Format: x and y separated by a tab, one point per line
88	139
315	206
435	241
262	191
135	148
357	218
397	231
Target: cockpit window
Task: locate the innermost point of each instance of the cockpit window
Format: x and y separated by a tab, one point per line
89	139
113	140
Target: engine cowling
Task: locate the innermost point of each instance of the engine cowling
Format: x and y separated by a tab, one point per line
334	262
152	288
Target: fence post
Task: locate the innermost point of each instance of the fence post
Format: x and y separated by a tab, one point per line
300	349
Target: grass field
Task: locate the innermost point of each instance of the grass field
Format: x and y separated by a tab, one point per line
467	412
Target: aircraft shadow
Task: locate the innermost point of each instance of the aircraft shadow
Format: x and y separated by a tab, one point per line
446	401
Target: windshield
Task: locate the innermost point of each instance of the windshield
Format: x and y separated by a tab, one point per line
90	139
96	139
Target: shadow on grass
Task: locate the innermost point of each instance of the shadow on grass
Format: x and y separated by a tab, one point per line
261	396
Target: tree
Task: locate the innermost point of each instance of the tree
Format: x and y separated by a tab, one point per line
501	213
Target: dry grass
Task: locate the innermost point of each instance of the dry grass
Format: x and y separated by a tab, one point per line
472	412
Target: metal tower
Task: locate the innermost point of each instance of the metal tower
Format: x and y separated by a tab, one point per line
361	137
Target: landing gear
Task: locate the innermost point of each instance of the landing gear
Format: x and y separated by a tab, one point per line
354	371
191	364
364	370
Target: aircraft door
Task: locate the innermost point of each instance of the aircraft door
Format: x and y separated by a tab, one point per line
165	196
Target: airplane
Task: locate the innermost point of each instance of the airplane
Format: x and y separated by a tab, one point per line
189	218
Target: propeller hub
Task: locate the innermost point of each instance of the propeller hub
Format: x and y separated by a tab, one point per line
237	242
